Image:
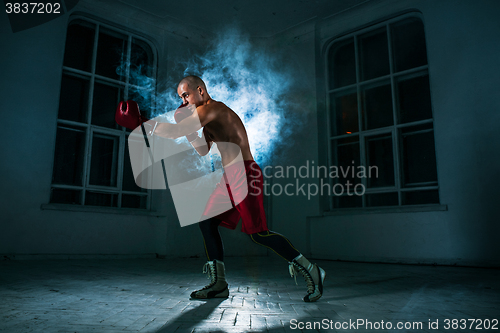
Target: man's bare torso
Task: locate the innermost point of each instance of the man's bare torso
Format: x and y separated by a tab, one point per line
223	126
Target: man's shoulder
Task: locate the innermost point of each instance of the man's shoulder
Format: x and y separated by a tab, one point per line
213	106
211	111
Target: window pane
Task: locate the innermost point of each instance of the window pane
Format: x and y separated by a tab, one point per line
414	99
419	158
342	64
421	197
374	54
379	154
128	182
65	196
382	199
104	162
141	63
74	99
348	201
377	107
69	156
409	44
134	201
106	100
111	53
345	110
79	46
101	199
346	153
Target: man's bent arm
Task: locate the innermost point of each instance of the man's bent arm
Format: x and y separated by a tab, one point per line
201	145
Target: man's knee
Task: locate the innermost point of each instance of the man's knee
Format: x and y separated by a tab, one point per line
204	225
258	237
209	223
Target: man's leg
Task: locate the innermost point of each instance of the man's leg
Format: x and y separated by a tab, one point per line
212	240
313	274
215	266
276	242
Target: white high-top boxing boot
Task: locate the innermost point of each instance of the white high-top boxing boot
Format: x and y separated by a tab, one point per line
217	288
312	273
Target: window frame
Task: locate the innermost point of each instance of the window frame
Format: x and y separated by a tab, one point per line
394	130
90	130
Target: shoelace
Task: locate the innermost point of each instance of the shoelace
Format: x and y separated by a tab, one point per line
209	269
295	268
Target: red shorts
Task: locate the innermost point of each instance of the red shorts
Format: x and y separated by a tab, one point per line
247	192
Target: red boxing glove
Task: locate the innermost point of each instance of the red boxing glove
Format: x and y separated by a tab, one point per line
182	113
128	115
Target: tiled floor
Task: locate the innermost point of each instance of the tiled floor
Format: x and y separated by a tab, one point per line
152	295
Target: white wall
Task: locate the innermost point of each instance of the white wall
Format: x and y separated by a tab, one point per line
463	45
31	69
288	214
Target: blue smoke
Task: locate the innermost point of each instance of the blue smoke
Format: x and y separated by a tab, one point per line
250	80
247	79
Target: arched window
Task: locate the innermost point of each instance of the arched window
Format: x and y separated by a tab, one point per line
380	116
102	66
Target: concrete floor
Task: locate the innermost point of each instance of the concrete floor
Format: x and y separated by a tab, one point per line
152	295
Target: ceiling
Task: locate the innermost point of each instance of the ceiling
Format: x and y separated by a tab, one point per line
259	18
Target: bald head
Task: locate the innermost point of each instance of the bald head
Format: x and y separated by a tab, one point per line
193	82
192	90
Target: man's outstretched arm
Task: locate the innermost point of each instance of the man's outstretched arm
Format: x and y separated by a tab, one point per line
188	125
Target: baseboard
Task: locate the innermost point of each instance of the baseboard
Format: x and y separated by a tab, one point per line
52	256
457	262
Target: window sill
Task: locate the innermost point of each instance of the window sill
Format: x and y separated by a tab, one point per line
101	210
385	210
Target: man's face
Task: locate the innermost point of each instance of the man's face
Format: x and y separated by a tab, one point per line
188	95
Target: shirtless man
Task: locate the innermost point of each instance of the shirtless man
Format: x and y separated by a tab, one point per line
223	126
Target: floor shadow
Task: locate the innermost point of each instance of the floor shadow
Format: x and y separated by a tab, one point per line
191	318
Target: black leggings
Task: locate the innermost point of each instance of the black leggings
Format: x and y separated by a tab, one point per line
272	240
